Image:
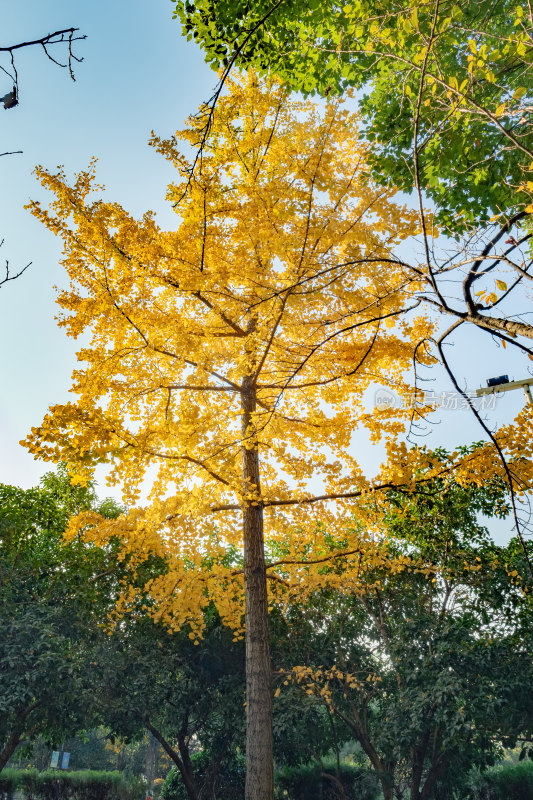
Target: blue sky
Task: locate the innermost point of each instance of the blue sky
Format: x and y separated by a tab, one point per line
138	75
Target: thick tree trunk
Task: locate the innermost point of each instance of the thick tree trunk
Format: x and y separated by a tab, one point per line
418	755
386	788
259	755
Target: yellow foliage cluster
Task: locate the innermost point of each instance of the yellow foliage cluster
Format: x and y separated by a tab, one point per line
319	681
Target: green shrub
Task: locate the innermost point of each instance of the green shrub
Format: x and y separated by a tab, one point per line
54	784
11	779
506	782
228	784
311	782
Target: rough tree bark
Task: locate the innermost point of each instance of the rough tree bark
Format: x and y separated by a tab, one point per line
259	753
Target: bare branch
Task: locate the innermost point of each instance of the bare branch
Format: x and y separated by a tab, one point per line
65	37
8	276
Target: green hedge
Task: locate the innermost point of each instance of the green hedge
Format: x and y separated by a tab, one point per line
311	782
506	782
53	784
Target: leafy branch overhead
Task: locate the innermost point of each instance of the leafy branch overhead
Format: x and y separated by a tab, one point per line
453	82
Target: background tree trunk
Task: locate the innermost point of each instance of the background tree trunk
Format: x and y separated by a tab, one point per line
183	764
8	749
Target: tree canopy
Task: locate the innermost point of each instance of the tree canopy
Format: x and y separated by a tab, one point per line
444	93
255	292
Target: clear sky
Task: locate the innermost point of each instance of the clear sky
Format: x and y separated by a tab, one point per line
138	75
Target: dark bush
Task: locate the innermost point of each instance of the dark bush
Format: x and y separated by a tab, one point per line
506	782
311	782
229	782
11	779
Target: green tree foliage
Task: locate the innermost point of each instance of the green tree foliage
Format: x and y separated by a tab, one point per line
189	696
48	598
430	669
446	87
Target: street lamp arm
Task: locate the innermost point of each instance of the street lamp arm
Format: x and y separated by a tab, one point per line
525	384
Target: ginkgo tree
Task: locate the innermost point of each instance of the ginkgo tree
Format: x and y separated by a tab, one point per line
228	362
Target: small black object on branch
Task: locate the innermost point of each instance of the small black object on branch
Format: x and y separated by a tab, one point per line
10	99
